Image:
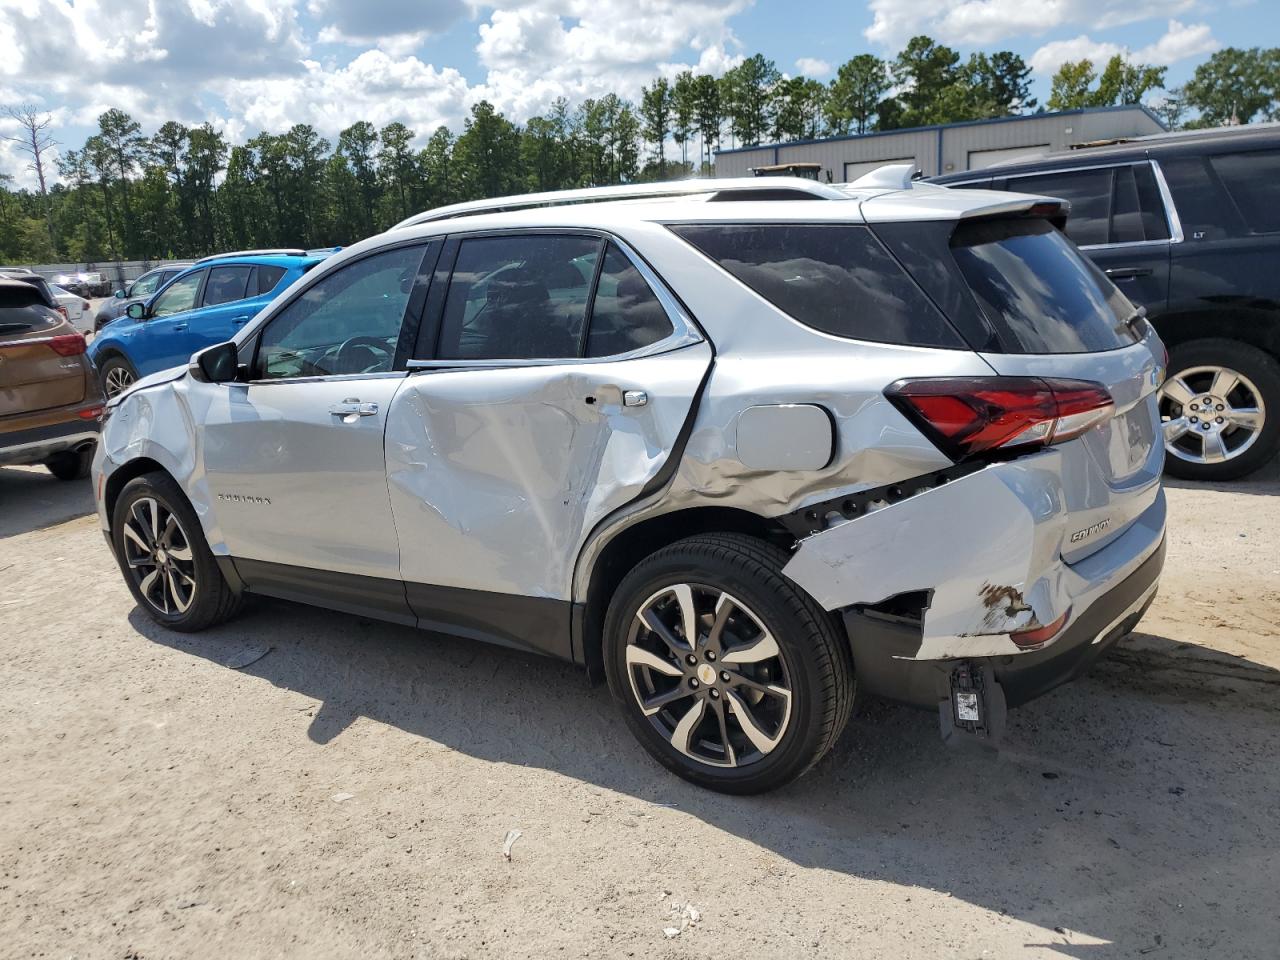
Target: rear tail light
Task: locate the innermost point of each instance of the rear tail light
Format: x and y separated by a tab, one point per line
90	413
68	345
1038	636
966	416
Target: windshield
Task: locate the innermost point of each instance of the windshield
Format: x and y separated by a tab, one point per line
1039	292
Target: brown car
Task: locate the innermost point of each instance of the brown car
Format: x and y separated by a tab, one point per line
50	400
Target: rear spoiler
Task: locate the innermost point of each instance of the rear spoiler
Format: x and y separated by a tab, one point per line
1040	208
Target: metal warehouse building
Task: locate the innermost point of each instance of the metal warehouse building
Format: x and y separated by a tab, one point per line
946	148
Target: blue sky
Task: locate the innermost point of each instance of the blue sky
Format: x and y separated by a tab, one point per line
248	65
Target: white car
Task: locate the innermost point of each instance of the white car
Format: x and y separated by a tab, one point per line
78	310
738	450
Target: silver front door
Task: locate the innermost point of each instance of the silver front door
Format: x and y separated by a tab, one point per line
296	472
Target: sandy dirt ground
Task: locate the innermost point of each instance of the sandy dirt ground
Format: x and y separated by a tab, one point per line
348	793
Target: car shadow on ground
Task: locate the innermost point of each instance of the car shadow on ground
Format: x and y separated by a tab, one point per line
1132	811
1264	481
31	498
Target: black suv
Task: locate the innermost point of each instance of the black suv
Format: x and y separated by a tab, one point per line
1188	226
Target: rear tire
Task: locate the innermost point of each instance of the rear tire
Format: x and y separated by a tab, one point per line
71	464
769	672
165	558
1237	441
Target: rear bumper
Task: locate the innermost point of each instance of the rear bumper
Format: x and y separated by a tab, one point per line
882	651
37	444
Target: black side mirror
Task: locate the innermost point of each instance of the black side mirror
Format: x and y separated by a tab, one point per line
136	311
217	364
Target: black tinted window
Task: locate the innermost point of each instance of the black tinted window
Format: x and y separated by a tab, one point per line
625	313
1088	191
1253	181
348	322
226	284
835	278
1205	211
1040	293
268	277
1155	222
518	298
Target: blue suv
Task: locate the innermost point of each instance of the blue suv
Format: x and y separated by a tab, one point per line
203	305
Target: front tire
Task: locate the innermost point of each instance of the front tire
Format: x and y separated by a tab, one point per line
728	673
165	558
117	376
1219	409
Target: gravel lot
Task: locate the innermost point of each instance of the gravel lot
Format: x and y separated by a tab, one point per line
348	794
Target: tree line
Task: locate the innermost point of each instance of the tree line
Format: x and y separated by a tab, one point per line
186	191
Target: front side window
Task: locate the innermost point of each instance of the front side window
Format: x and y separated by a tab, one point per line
226	285
625	314
179	296
347	323
518	298
1040	293
836	278
145	286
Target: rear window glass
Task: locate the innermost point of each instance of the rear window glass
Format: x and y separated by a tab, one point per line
1253	180
23	295
1038	291
836	278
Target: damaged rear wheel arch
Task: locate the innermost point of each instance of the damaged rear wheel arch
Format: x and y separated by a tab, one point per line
629	547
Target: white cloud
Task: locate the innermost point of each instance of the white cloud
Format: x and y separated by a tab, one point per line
374	86
1178	42
392	25
541	49
813	67
988	21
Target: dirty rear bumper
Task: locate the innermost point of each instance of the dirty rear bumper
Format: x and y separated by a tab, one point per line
883	650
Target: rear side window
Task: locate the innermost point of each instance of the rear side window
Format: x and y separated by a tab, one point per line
268	277
226	285
1253	182
1204	209
1040	294
1089	193
625	314
518	298
836	278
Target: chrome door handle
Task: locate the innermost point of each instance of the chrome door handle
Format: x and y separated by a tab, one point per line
1124	273
352	407
179	326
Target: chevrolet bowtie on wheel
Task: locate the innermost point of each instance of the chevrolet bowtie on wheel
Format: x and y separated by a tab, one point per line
739	451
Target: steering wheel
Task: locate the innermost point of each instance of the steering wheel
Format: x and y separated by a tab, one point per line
346	352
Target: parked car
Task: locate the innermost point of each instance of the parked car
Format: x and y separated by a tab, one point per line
33	279
731	455
50	400
76	309
138	290
1188	226
202	305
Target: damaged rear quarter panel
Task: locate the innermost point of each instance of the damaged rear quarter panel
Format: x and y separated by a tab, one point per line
986	546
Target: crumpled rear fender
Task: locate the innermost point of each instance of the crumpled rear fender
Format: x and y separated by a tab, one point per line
985	547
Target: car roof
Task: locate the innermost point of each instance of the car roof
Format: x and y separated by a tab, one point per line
1154	145
917	201
286	260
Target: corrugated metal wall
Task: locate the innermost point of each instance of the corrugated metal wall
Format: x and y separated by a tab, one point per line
945	149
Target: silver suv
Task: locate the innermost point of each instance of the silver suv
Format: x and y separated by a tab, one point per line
732	450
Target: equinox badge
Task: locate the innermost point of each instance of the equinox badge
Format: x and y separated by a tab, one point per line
1090	531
